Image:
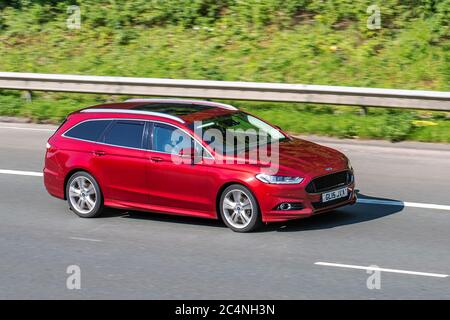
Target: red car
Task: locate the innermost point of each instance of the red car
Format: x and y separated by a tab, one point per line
168	156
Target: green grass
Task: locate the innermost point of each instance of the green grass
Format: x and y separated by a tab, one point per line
289	41
304	54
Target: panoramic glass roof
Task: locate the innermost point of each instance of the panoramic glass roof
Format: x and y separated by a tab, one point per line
175	109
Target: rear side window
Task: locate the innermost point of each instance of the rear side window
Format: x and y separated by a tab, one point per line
88	130
125	134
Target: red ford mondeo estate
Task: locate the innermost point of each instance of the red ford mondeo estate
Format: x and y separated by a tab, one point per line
196	158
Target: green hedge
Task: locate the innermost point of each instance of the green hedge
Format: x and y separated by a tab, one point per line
290	41
240	13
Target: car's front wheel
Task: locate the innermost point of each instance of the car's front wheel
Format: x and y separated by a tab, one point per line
239	209
83	195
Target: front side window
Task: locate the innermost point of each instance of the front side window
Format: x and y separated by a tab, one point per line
125	133
88	130
169	139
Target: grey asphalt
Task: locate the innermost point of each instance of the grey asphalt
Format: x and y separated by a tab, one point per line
130	255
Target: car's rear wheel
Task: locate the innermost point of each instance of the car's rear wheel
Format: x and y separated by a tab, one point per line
239	209
84	195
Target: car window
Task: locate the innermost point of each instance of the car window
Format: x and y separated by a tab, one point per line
89	130
248	131
125	134
169	139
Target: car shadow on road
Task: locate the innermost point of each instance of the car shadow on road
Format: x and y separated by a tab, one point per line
357	213
162	217
360	212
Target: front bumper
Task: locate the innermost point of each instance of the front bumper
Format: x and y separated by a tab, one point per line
271	196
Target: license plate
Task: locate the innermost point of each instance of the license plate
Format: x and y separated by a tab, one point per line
333	195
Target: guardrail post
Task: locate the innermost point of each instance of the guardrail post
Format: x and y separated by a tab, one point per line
27	95
363	111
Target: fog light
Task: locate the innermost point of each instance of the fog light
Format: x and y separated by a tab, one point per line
289	206
285	206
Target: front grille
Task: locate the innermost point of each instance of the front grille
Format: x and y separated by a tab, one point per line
329	182
320	204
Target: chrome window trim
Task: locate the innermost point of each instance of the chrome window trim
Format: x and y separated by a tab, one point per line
147	113
209	155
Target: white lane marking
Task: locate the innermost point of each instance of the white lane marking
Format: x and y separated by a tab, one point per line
405	204
22	173
366	201
85	239
25	128
349	266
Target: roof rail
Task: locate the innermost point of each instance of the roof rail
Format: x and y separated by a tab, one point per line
147	113
196	102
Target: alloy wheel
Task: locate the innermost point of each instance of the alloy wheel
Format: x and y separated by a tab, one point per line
82	194
237	208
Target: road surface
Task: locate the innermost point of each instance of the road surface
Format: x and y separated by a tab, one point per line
128	255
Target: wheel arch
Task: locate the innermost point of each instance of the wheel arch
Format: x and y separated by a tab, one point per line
71	173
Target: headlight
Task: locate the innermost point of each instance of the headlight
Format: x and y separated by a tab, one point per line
278	179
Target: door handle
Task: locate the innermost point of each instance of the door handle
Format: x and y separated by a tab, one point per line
156	159
99	153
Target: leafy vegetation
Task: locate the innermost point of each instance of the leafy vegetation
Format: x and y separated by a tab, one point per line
294	41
